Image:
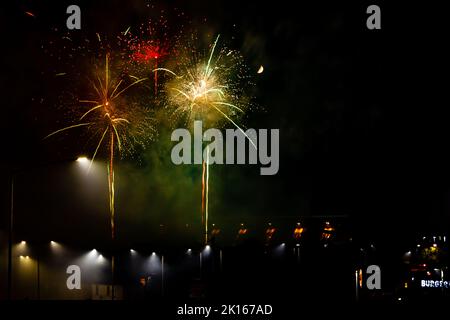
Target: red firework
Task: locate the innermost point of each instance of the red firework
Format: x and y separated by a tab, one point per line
151	42
150	53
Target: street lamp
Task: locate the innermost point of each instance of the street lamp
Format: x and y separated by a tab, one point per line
82	160
28	261
162	275
11	221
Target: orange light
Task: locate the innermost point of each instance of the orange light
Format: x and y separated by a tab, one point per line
360	278
269	233
242	231
298	232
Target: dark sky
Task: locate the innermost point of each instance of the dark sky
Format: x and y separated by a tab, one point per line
362	116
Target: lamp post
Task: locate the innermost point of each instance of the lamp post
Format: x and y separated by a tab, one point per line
10	239
11	221
162	276
29	262
201	264
38	261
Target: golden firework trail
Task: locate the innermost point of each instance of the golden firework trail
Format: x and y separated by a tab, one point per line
108	115
205	194
210	89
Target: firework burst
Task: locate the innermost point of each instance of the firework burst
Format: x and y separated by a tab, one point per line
210	88
148	46
113	122
148	53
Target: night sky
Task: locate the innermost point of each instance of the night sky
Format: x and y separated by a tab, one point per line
362	116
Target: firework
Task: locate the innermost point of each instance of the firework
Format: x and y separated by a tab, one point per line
148	46
116	123
205	194
210	88
146	53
